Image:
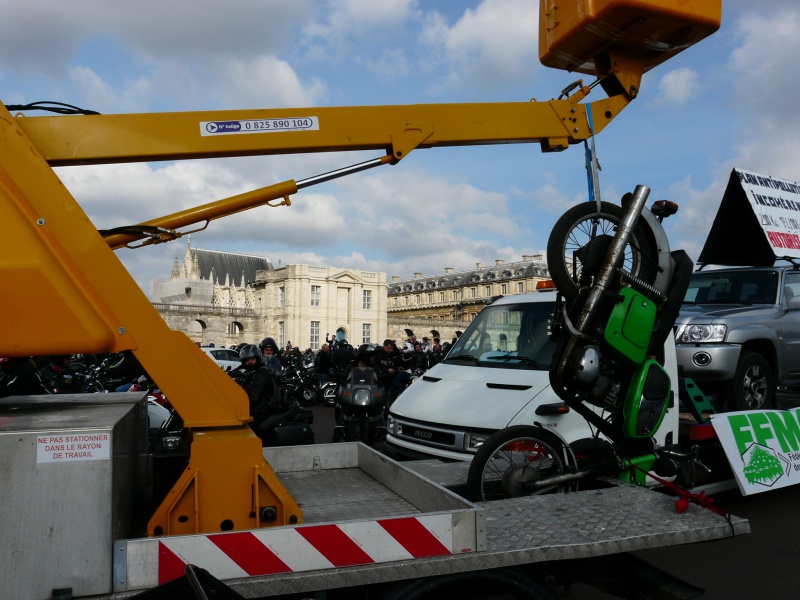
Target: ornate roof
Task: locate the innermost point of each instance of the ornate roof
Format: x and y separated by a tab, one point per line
227	268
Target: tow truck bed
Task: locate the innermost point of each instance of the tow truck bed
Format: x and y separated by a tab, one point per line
618	519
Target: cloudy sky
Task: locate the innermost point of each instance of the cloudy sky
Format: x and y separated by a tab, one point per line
730	101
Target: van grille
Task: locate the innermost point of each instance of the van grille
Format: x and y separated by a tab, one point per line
431	436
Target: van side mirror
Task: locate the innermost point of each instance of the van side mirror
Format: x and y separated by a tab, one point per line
793	303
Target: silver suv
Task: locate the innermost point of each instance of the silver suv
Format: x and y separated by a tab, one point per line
738	334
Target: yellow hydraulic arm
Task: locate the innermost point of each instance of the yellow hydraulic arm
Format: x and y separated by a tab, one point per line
80	299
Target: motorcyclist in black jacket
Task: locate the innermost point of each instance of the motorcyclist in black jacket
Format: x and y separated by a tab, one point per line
420	360
343	358
322	364
270	354
260	383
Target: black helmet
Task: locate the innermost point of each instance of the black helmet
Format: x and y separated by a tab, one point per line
250	351
269	342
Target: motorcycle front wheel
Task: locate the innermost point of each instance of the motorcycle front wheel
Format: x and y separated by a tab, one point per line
307	396
512	460
354	431
578	227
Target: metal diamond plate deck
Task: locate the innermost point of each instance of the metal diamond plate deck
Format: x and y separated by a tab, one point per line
341	494
621	518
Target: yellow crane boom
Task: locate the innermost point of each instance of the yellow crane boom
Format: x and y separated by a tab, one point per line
80	299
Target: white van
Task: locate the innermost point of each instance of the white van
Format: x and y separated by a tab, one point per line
496	376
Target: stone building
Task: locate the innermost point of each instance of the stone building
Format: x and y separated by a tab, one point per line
211	278
305	304
447	302
226	298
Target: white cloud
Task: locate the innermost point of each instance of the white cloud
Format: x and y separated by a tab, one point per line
43	36
264	81
677	87
764	126
348	27
764	65
494	44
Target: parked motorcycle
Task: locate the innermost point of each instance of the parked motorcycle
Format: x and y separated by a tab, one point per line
328	391
98	377
359	408
298	385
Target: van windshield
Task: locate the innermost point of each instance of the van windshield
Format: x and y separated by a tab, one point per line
509	336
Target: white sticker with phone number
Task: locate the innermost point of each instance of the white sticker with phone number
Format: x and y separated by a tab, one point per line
259	126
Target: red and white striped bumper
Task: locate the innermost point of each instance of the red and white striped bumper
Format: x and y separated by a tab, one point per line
147	563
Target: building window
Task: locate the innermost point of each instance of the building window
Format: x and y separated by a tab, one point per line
430	298
455	295
419	298
366	333
441	296
234	328
520	287
281	333
316	295
281	296
488	290
503	289
394	301
473	292
314	334
366	299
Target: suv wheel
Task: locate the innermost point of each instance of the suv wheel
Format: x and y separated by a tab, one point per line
753	385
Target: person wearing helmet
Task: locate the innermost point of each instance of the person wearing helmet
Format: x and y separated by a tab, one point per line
259	382
270	355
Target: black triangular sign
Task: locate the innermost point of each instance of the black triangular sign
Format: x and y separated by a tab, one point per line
757	221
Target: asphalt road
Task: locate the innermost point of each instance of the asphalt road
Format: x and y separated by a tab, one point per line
761	564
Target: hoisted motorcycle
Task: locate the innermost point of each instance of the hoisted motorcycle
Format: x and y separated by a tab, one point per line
620	291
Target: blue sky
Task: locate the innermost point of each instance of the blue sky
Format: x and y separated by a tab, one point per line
730	101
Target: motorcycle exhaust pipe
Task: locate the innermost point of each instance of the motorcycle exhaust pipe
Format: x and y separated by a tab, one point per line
603	279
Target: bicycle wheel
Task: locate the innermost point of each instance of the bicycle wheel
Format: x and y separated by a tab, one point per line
512	459
582	224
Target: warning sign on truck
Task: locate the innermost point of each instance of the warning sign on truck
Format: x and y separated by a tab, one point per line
69	447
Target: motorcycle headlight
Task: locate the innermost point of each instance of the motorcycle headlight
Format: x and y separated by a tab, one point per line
473	441
701	333
361	397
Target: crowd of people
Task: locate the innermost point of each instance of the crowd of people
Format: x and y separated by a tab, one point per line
261	367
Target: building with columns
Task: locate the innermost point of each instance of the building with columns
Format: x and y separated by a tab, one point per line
448	301
305	304
224	298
